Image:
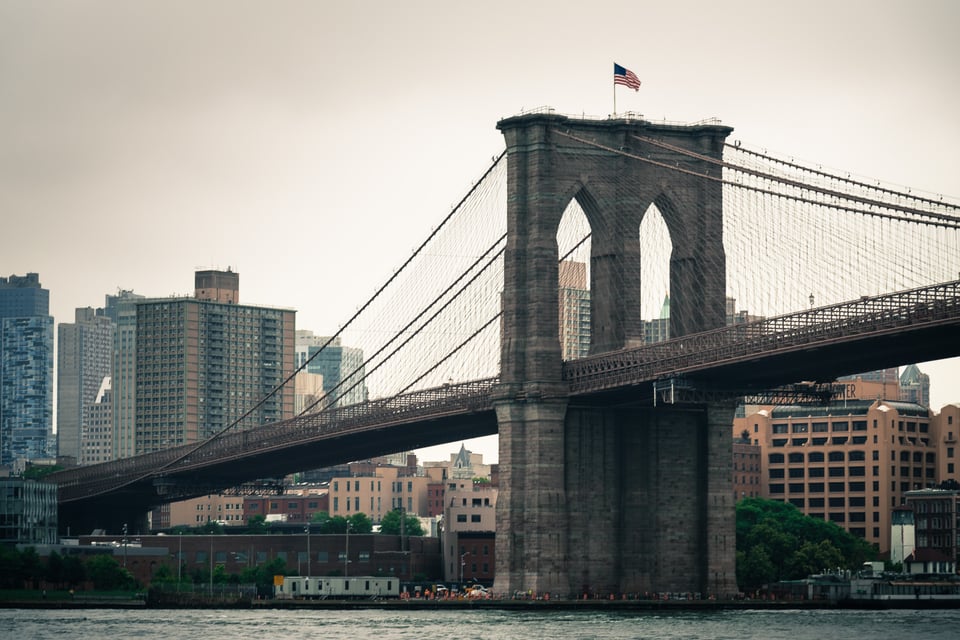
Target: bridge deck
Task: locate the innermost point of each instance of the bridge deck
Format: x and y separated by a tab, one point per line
817	344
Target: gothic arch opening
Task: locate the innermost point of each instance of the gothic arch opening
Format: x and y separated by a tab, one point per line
573	244
656	247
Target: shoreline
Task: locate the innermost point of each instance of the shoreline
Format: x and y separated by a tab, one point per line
491	604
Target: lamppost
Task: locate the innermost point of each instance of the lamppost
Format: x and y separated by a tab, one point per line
307	530
463	563
124	545
179	558
211	564
346	555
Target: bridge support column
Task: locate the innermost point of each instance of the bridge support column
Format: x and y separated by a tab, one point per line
531	542
650	502
721	539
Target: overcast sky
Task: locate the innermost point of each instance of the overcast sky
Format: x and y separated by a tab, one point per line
289	140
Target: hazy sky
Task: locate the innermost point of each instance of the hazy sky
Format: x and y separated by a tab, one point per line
311	145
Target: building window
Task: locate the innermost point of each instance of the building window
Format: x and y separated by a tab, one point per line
461	517
475	517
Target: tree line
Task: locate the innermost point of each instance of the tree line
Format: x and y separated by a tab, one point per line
776	541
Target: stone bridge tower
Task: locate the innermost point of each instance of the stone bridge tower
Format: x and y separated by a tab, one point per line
625	498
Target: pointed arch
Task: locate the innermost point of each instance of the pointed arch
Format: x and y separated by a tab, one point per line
656	247
573	243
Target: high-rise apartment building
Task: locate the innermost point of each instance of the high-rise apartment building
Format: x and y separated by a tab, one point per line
201	364
574	310
84	359
658	329
342	368
122	310
96	440
26	370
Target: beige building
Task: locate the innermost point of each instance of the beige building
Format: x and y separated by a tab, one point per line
309	392
853	461
469	534
388	488
226	510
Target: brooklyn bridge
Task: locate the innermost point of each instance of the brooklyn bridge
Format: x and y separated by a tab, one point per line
839	275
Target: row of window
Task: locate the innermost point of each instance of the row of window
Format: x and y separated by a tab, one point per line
856	455
474	517
840	426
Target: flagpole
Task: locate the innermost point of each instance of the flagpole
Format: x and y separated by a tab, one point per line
614	99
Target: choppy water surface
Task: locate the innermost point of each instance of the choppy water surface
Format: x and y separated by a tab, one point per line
479	625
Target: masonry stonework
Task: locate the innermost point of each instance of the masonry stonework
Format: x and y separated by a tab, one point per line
599	499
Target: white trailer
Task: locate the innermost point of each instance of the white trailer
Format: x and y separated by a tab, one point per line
319	587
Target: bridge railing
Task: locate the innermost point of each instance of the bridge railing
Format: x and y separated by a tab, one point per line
867	315
457	398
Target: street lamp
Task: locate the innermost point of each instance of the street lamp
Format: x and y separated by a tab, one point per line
124	545
179	558
307	529
211	564
463	563
346	554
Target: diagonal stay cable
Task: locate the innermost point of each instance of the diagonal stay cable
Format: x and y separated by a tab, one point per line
419	316
350	321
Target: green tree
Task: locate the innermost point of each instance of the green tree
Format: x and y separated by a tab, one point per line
257	524
263	574
210	527
74	571
163	575
390	524
360	523
106	573
38	472
754	568
812	558
220	574
336	524
11	568
31	567
55	569
775	541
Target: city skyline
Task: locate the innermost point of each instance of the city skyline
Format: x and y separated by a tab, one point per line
144	141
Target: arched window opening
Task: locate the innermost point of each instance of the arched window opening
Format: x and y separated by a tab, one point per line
573	242
655	249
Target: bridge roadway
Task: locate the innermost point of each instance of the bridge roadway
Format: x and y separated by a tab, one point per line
814	345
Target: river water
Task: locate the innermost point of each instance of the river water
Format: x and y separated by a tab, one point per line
197	624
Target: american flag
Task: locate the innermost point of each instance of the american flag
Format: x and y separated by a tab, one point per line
624	76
